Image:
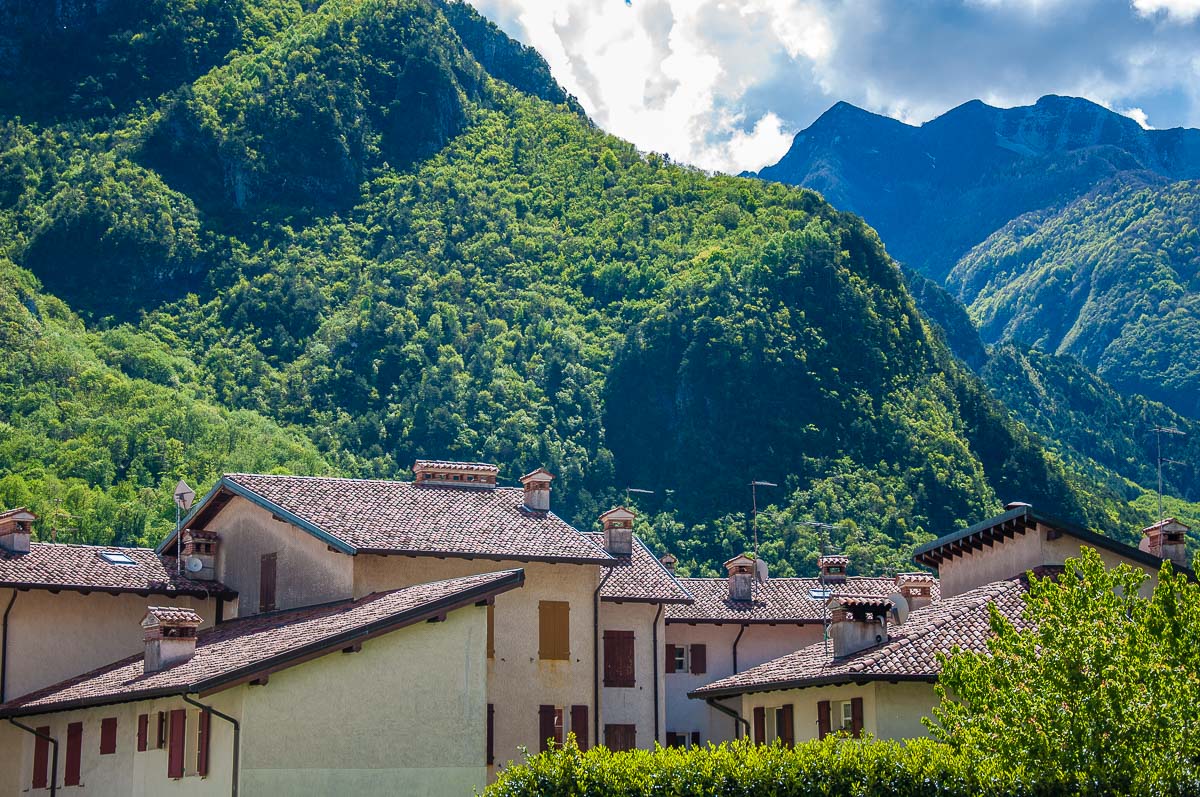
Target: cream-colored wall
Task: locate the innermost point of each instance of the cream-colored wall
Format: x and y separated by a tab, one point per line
405	715
127	773
899	708
804	706
52	637
635	705
306	571
518	681
759	644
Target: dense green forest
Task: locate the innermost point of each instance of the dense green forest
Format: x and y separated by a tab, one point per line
342	240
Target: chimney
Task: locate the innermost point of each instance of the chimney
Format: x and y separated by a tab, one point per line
443	473
857	623
1167	539
15	527
618	531
669	562
916	588
200	554
741	578
537	490
833	569
170	634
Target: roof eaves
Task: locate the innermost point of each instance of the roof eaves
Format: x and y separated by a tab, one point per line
190	592
606	561
804	683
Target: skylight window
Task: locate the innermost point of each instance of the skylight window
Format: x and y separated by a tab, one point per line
819	594
117	558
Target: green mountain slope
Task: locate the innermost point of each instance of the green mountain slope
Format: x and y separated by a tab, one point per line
351	228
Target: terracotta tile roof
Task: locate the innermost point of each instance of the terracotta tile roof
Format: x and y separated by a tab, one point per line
171	615
640	577
910	652
82	568
401	517
869	601
776	600
235	650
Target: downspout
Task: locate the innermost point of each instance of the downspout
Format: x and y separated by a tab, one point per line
654	653
736	640
737	718
4	650
237	738
53	753
596	657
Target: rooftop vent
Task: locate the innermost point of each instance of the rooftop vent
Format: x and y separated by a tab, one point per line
741	578
537	490
441	473
833	568
16	525
669	561
618	531
1167	539
915	588
857	623
200	553
170	635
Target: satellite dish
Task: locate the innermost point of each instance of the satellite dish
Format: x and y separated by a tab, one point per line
899	608
195	564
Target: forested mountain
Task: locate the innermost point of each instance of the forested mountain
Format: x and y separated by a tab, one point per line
380	224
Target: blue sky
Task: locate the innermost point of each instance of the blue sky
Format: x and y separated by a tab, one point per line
725	85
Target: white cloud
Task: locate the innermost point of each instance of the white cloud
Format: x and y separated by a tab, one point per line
1181	10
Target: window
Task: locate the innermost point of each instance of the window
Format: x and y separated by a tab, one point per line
820	594
554	634
117	558
491	631
687	658
620	737
108	736
683	739
677	658
618	658
176	743
41	758
266	583
143	737
847	716
74	750
550	726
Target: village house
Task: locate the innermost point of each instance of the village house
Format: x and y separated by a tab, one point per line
876	673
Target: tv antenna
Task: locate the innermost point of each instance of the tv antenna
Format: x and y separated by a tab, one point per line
184	496
635	491
1159	431
754	485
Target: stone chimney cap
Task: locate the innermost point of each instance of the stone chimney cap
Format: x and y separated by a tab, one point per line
880	602
741	560
669	559
539	475
619	513
200	534
914	578
833	560
1164	524
19	514
445	464
170	616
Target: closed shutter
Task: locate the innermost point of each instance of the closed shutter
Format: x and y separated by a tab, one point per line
74	751
695	738
554	635
620	737
856	716
618	658
824	724
787	733
266	583
760	725
699	659
669	659
143	732
545	727
108	736
491	631
579	725
175	742
204	721
41	758
491	733
673	739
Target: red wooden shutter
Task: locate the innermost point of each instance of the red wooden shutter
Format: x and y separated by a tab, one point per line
699	659
74	752
41	758
143	732
695	738
669	659
824	724
266	583
618	658
672	739
175	744
205	721
108	736
162	731
856	715
760	725
491	734
545	727
579	725
788	732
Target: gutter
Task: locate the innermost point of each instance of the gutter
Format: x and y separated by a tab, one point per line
654	654
596	658
237	738
4	650
736	640
738	719
53	754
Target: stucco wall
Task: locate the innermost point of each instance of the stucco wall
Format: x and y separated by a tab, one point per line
635	705
405	715
307	572
52	637
759	644
899	708
518	681
804	706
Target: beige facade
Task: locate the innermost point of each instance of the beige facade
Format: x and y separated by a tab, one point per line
53	636
636	705
404	715
890	710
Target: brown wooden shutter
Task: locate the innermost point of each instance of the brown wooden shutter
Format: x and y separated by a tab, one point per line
669	659
619	738
695	738
554	630
74	753
266	583
108	736
41	758
824	724
491	631
579	725
143	739
491	733
672	739
856	716
203	728
545	727
760	725
175	744
699	659
618	658
162	731
788	732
